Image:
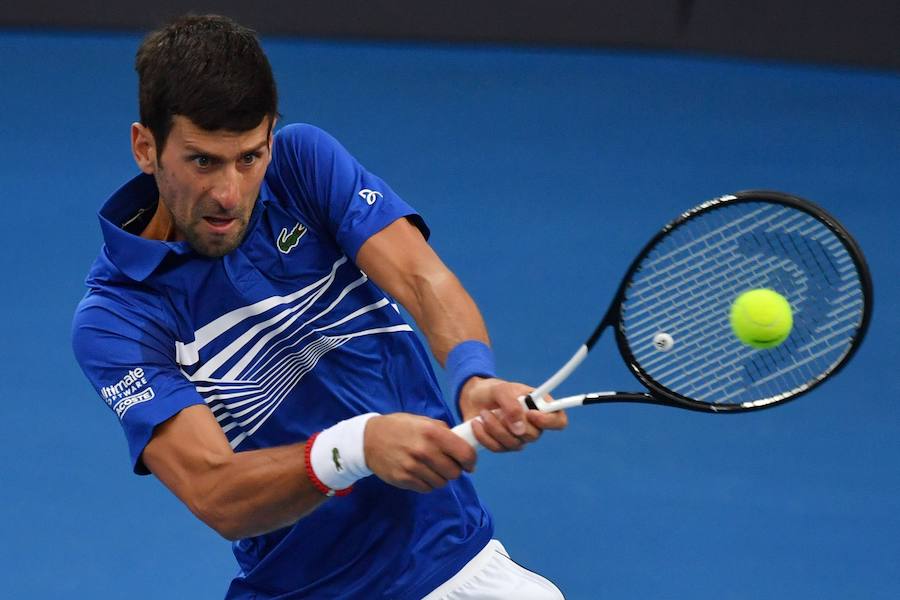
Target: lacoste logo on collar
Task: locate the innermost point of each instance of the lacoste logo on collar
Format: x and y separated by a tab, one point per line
288	241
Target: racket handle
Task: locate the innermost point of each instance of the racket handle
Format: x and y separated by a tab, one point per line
464	430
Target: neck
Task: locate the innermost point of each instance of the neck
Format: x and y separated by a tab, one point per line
161	226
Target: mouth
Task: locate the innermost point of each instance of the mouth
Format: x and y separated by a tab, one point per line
219	224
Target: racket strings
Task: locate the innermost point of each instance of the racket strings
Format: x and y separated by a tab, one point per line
686	284
703	291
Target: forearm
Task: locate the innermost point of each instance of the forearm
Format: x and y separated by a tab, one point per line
236	493
445	313
408	451
400	261
255	492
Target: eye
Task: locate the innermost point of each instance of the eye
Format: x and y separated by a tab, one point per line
249	159
202	161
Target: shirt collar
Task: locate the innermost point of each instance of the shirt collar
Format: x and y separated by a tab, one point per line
135	256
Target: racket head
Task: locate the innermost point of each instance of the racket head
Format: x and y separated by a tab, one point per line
683	282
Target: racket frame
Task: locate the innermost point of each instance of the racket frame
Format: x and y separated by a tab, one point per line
659	394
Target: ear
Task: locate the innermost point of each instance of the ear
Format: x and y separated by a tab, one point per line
143	147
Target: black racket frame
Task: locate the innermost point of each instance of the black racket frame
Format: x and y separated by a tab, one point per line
659	394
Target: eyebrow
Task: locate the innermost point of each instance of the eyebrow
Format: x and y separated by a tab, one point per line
193	150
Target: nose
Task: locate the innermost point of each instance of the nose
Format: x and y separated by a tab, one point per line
226	191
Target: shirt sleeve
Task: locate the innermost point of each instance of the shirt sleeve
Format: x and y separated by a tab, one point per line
129	358
352	203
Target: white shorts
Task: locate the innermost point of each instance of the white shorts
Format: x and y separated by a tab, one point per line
493	575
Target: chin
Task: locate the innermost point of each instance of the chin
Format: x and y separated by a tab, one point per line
214	252
216	248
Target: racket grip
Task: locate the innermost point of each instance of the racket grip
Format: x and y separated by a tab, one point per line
464	430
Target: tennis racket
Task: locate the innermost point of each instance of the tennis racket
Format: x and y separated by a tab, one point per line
670	314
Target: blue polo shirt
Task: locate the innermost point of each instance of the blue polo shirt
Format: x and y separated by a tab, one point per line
281	338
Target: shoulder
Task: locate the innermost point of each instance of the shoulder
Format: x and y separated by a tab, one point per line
301	139
120	298
119	310
307	163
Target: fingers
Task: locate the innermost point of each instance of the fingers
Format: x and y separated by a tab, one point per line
541	420
440	459
493	433
416	453
513	413
510	427
455	447
422	479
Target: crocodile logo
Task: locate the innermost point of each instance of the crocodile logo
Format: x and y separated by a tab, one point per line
336	457
288	241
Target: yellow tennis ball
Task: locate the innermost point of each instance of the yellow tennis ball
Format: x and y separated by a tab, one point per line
761	318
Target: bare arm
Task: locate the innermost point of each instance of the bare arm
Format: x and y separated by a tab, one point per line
238	494
241	494
401	262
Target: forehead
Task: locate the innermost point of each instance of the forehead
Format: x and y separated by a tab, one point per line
185	133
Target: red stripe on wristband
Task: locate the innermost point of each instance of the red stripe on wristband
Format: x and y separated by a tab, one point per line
311	475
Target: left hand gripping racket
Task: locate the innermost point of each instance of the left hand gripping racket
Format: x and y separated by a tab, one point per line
670	314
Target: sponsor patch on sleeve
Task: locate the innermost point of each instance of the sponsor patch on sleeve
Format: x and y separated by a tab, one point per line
131	389
122	406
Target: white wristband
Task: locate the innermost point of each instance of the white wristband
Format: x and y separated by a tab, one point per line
338	457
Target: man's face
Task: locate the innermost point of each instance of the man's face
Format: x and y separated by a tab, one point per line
209	182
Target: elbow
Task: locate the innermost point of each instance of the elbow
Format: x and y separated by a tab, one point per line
228	531
231	535
221	521
233	526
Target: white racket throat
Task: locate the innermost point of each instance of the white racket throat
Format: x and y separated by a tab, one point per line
558	377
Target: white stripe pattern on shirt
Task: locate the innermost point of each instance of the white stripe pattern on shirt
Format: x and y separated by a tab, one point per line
271	356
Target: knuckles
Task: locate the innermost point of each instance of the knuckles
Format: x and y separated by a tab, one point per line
419	453
409	465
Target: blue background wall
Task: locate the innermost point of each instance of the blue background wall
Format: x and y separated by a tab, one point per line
541	173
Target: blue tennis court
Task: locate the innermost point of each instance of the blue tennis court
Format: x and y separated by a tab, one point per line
541	173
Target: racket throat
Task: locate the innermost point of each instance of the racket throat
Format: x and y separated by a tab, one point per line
558	377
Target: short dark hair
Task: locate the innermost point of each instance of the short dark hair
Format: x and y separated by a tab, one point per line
206	68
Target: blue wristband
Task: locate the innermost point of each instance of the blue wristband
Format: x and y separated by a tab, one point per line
466	360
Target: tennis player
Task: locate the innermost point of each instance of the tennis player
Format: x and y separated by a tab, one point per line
242	323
